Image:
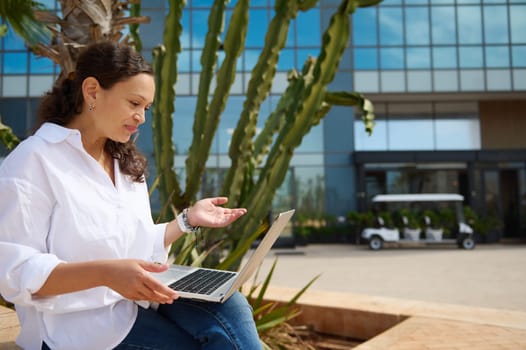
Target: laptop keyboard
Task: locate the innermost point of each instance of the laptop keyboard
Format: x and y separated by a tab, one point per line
202	281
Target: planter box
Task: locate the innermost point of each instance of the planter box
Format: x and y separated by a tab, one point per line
412	234
391	323
434	234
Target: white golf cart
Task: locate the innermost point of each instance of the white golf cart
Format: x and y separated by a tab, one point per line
425	232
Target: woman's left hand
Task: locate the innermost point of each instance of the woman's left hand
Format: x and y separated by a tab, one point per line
208	213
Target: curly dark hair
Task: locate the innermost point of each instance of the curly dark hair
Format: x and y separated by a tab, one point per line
109	63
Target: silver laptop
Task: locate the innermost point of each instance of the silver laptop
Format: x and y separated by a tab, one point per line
218	285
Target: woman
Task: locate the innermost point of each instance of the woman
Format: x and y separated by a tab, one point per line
77	242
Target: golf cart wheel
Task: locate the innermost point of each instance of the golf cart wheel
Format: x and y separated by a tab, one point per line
467	243
376	243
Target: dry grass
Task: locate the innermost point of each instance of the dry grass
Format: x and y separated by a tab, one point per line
287	337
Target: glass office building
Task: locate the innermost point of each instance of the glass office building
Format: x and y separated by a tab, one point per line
447	79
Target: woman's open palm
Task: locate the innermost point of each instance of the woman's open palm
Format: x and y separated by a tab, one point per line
208	213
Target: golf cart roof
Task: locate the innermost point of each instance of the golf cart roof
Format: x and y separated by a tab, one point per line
419	197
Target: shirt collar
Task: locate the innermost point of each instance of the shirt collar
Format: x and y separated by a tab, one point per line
55	133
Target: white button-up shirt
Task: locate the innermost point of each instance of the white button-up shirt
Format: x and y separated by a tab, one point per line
57	205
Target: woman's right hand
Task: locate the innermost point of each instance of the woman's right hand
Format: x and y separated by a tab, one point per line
131	278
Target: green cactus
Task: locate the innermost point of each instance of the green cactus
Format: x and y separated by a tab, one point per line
303	105
241	145
165	66
305	111
205	124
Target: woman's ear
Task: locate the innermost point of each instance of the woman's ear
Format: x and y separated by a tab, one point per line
90	87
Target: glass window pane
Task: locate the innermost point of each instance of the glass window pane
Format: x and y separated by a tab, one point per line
200	27
14	86
366	81
184	61
518	23
183	123
286	60
469	25
457	134
445	57
310	191
409	134
470	57
445	80
40	64
417	25
519	80
472	80
250	59
392	58
377	141
14	112
153	4
237	86
498	79
313	141
49	4
346	60
257	28
443	25
419	81
12	41
393	81
303	159
227	125
182	86
391	26
518	56
291	35
495	24
364	26
185	36
259	2
38	85
497	56
341	82
418	58
304	54
308	24
280	83
151	33
366	58
15	63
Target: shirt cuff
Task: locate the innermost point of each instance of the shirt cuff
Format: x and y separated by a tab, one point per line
160	252
33	276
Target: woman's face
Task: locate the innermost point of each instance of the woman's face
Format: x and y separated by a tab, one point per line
121	109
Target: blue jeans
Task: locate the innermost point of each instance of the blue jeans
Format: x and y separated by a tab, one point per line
188	324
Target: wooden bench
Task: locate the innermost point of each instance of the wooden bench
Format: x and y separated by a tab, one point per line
9	329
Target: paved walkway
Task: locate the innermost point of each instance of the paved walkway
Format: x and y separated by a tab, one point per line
433	297
492	276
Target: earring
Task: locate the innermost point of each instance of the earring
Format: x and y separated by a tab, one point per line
91	107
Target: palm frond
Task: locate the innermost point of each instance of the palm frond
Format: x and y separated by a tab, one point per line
20	15
240	251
